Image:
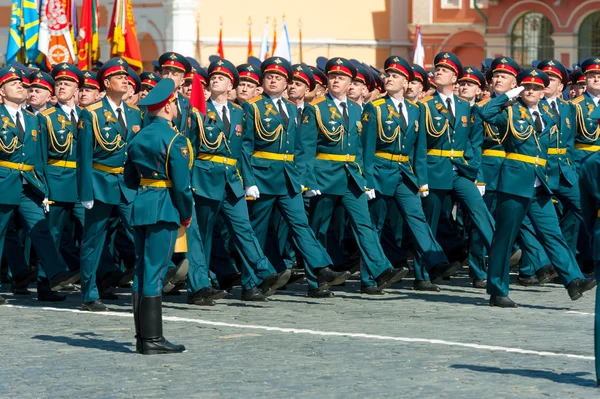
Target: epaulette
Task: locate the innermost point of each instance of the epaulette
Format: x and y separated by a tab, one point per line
133	106
483	102
31	113
317	100
236	105
255	99
378	102
425	99
94	106
410	102
562	100
578	99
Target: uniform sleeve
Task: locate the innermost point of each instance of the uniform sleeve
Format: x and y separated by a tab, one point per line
130	174
494	113
179	154
589	186
476	138
369	143
43	140
308	133
300	150
420	153
85	154
248	145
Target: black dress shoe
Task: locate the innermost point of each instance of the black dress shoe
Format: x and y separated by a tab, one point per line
95	306
50	297
274	281
502	302
577	287
62	279
200	301
546	274
326	278
316	293
23	279
390	276
528	281
295	278
69	288
371	290
126	278
253	294
3	301
231	280
480	283
597	383
425	285
16	290
108	295
211	293
441	270
176	275
107	284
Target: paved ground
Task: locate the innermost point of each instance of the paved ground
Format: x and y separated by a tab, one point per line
404	344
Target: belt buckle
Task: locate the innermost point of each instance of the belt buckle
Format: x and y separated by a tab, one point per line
537	160
285	157
348	157
451	154
20	167
223	160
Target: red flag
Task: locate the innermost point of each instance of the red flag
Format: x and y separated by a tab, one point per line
122	35
220	48
197	97
84	37
250	52
274	46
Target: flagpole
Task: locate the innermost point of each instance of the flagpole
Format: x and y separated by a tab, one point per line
250	47
300	37
198	39
22	34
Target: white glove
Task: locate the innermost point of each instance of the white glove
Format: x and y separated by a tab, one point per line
514	93
481	189
46	205
312	193
370	194
424	190
253	192
88	204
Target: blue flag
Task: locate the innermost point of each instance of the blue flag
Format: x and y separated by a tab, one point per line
24	32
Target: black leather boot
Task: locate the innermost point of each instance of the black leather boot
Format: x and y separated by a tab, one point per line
135	301
151	328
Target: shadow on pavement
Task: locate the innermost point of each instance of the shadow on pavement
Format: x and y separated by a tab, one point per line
561	378
89	341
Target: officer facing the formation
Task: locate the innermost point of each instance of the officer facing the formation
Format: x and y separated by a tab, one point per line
395	154
41	89
23	184
105	128
523	188
331	127
90	92
158	165
272	175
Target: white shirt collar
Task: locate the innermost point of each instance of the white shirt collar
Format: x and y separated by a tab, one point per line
68	110
396	104
13	113
300	105
596	100
219	107
451	97
115	107
276	103
337	103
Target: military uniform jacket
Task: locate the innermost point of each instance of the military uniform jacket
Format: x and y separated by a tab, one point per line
103	144
587	128
160	153
20	150
384	130
491	140
442	135
264	131
210	179
323	131
59	152
590	198
518	177
561	164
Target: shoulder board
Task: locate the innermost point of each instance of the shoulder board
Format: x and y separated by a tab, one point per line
48	111
31	113
133	106
578	99
318	100
235	105
410	102
255	99
94	106
562	100
378	102
288	100
483	102
425	99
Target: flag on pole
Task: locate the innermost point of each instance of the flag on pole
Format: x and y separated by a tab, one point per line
250	52
122	35
197	99
283	50
264	44
418	49
220	50
24	32
300	37
87	36
274	45
55	40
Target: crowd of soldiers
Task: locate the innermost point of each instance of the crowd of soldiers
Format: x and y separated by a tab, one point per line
296	173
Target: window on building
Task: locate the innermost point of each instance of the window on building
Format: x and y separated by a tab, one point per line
530	39
589	36
452	3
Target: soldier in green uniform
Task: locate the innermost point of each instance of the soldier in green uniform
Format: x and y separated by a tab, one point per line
523	188
41	89
331	128
158	164
23	183
272	168
90	92
149	81
250	81
395	159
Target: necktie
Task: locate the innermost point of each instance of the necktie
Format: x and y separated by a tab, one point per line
73	119
345	114
404	123
537	121
555	109
286	119
450	111
299	115
226	122
121	120
20	126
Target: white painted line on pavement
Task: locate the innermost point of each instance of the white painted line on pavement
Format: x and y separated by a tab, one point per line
324	333
583	313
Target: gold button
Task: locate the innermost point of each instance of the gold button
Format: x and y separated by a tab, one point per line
125	152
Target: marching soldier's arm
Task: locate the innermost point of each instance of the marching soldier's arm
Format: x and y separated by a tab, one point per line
308	134
43	140
179	173
130	174
419	160
300	151
369	142
589	187
476	139
494	112
85	154
248	146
